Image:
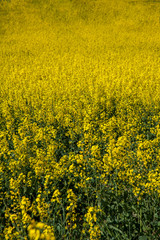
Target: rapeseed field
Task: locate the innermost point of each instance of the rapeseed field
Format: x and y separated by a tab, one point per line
79	119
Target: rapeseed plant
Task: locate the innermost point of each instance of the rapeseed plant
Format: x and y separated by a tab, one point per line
79	119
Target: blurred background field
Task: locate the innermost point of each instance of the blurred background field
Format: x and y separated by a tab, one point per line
79	119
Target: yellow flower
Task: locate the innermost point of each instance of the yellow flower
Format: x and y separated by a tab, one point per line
40	225
34	234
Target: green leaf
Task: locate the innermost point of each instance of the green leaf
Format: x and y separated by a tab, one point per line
143	238
116	229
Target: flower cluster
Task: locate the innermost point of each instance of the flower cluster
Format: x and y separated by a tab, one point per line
40	230
91	219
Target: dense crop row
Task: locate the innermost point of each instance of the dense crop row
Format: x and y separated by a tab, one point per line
79	120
